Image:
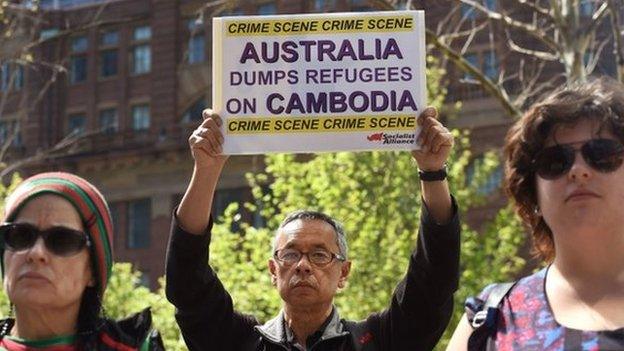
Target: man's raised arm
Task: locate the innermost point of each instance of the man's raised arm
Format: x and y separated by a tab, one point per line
204	309
422	302
206	142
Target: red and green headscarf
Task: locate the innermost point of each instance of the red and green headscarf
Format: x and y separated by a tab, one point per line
91	207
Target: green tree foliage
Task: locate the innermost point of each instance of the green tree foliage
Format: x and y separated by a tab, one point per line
377	197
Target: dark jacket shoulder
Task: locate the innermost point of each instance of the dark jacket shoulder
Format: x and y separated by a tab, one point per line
134	332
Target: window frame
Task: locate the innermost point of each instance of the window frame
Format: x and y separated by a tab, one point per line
141	42
74	116
136	127
131	221
107	130
104	48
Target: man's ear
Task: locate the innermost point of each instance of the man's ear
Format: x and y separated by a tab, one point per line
344	274
273	271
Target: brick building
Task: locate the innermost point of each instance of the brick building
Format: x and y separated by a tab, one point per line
138	76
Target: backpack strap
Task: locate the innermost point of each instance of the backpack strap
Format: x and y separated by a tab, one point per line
486	316
484	320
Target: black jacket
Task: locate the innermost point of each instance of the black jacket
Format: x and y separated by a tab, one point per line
419	311
132	333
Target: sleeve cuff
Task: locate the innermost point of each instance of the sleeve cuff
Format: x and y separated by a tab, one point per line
190	243
428	221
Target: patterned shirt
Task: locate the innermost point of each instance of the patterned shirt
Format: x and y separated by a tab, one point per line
526	322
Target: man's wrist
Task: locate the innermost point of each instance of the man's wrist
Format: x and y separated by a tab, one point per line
427	175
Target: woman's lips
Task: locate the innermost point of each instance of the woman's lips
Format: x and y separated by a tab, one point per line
581	194
33	276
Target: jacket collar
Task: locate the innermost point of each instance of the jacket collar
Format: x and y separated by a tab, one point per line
274	331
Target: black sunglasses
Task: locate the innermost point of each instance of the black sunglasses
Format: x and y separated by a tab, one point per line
61	241
603	155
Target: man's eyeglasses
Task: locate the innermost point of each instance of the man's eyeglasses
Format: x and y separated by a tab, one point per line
317	257
603	155
60	241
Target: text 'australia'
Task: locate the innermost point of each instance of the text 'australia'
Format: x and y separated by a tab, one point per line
321	50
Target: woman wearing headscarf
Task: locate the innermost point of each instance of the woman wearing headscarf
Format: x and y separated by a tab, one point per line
56	246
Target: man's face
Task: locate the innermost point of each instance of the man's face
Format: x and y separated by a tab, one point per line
303	284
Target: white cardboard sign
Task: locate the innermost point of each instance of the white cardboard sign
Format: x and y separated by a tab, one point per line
320	82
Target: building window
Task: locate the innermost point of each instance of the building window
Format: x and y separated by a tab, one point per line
324	5
79	44
108	53
267	9
48	33
468	12
197	41
473	59
108	121
361	6
139	218
586	8
141	51
78	60
233	12
197	48
18	83
194	113
140	117
224	197
142	33
116	212
145	279
490	64
110	38
10	72
491	184
10	130
141	59
6	77
76	124
108	63
78	69
490	4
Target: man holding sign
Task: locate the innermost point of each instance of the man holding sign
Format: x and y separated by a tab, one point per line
309	264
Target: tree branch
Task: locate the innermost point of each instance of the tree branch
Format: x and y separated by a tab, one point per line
543	55
60	148
495	91
618	45
597	17
536	8
526	28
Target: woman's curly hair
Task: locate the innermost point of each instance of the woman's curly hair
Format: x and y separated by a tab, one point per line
601	100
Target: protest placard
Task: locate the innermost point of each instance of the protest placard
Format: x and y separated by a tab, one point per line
320	82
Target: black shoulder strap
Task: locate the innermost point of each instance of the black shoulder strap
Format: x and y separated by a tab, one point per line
498	292
484	321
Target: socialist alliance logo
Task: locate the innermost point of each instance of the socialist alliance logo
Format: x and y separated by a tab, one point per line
394	138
